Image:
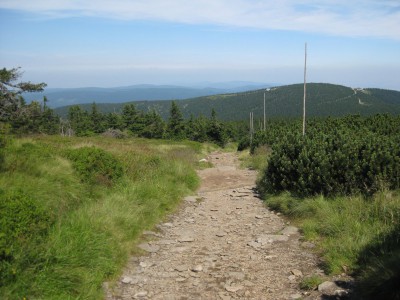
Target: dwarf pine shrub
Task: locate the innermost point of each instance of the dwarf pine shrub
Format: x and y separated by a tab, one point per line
95	165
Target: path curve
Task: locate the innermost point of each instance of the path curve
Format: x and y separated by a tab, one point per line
222	243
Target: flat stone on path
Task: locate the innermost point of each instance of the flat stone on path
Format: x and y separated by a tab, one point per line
290	230
181	268
198	268
149	248
233	288
328	287
187	239
271	238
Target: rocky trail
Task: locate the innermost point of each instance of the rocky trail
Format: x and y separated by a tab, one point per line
224	244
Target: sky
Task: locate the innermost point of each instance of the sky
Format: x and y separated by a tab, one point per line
101	43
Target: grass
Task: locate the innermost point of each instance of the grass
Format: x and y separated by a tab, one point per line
311	283
354	235
93	227
343	226
256	161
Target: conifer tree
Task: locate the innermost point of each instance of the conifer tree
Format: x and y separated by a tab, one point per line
176	126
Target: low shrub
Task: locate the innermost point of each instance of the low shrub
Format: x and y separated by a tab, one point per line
23	222
244	143
340	164
95	165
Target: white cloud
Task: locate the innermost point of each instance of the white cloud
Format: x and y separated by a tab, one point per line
355	18
376	18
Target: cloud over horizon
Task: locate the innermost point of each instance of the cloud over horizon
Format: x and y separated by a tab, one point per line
357	18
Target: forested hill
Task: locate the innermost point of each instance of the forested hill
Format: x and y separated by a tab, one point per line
59	97
284	101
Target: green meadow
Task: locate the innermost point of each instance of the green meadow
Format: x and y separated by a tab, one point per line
73	209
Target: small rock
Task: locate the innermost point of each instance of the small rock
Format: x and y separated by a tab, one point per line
327	287
149	248
270	257
127	280
198	268
292	277
220	234
290	230
148	232
181	268
223	296
297	273
271	238
180	279
296	296
254	244
259	217
187	239
143	264
340	293
140	295
165	242
191	199
168	225
203	160
233	288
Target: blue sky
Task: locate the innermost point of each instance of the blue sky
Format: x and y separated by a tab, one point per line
77	43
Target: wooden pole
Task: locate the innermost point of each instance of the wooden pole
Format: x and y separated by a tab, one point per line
305	84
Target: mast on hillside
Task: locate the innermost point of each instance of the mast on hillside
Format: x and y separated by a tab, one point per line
251	127
264	112
305	84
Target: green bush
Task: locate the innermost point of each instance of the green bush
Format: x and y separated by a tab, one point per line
95	165
339	157
23	222
4	140
244	143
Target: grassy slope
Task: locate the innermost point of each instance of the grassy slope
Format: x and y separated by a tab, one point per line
93	228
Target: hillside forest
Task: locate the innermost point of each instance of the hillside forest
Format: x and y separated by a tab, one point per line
61	178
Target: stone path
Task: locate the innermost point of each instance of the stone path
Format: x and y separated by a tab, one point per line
222	244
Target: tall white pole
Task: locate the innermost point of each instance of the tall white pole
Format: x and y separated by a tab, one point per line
264	112
305	84
251	127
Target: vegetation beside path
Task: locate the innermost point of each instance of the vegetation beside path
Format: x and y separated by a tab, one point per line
72	208
354	234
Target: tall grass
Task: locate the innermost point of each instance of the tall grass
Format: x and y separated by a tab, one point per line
356	235
342	226
93	227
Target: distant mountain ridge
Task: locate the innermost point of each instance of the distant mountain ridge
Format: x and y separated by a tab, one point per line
323	100
58	97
